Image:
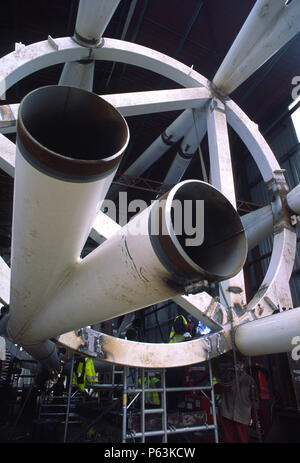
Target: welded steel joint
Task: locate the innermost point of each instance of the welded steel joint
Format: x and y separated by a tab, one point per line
216	93
215	345
278	190
92	343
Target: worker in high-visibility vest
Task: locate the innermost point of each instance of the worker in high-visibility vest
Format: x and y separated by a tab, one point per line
154	397
84	373
180	330
145	386
151	398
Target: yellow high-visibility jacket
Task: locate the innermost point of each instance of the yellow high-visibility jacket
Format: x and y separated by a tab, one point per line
85	374
154	397
175	337
151	397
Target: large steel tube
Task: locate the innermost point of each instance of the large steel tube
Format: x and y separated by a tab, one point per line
92	19
171	135
69	145
148	261
269	26
293	199
186	152
269	335
258	225
78	74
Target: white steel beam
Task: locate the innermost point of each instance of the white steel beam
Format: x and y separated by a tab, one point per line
269	26
137	103
249	133
24	61
134	104
222	178
7	155
219	150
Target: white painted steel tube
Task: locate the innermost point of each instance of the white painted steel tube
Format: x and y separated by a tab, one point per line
258	225
178	167
186	152
78	74
159	147
269	335
269	26
293	199
92	19
138	266
69	145
171	135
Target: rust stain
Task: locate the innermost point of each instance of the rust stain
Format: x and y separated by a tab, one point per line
6	114
260	310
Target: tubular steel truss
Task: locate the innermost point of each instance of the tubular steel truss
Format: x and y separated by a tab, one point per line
219	111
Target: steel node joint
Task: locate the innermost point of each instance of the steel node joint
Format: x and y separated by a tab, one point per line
167	139
92	343
278	190
215	345
189	286
88	43
216	93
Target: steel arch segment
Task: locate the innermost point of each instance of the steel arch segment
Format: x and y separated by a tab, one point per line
138	55
273	289
146	355
275	286
248	132
21	63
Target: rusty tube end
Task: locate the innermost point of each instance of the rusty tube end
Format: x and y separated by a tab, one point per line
70	133
218	248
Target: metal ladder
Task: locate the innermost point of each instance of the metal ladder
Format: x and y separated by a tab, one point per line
166	430
141	392
63	412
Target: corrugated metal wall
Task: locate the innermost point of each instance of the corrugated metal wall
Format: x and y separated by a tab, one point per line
284	144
